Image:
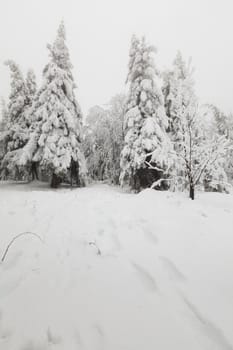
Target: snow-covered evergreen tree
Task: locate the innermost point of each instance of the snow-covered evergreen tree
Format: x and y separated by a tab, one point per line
31	86
167	76
146	142
3	115
3	128
180	100
116	110
56	141
16	135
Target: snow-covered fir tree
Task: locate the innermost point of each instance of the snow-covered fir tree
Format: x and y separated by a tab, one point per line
56	142
16	135
116	111
220	123
3	127
3	115
146	143
179	97
31	86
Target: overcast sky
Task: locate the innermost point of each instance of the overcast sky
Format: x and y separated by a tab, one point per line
99	33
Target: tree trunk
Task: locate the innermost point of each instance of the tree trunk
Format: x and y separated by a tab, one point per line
135	183
74	173
17	177
34	172
56	180
191	191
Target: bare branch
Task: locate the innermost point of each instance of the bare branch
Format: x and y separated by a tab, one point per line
16	237
95	245
153	167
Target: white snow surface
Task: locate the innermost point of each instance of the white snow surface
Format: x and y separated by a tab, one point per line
115	271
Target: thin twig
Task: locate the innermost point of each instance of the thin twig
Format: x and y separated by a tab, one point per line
94	244
153	167
16	237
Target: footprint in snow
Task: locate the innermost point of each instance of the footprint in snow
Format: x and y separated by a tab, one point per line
5	333
208	328
203	214
78	340
149	235
12	260
173	272
146	279
112	223
129	225
97	337
32	345
116	242
11	285
143	221
101	232
53	338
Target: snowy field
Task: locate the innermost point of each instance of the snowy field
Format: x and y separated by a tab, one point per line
115	271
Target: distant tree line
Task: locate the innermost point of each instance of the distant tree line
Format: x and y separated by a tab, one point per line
157	135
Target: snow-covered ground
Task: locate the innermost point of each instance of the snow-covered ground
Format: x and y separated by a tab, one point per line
116	271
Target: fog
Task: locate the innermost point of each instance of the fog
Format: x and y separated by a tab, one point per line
99	33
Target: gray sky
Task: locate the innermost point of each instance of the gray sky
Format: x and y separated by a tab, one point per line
99	33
